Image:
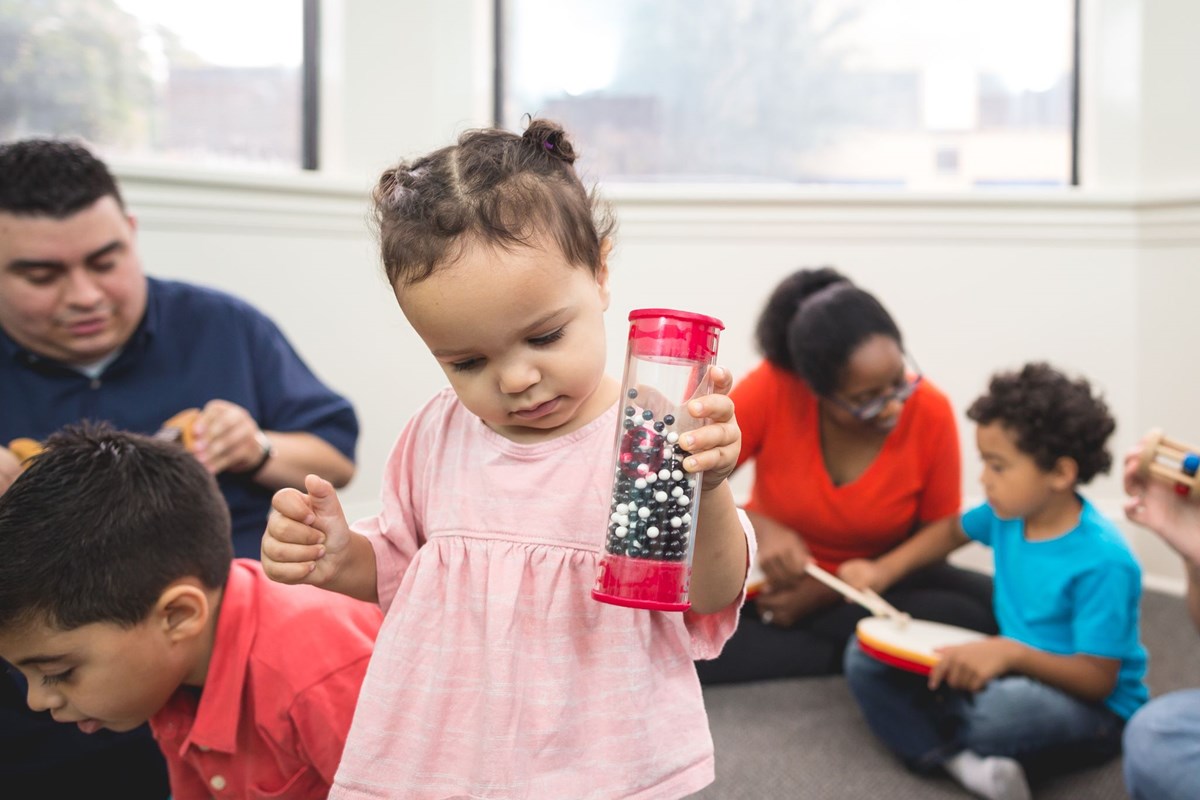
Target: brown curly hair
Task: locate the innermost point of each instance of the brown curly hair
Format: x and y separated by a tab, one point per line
1052	417
495	187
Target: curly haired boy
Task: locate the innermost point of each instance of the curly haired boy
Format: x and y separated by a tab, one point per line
1054	689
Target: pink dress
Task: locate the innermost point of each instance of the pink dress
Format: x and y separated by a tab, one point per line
495	674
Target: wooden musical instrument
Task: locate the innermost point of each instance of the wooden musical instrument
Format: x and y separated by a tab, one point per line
1170	461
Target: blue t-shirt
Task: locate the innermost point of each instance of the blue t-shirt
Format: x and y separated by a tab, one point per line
193	345
1076	593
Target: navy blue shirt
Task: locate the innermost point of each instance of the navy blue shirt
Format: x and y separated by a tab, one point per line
193	345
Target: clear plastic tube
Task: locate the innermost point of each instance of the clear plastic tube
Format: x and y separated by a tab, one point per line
648	545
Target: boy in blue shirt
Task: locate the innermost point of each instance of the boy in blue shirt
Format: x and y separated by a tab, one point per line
1055	688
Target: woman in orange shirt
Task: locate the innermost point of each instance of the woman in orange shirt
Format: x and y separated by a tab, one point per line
854	453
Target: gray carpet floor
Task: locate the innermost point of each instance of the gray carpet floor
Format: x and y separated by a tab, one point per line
804	738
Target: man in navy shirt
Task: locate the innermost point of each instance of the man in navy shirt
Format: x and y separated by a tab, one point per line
85	334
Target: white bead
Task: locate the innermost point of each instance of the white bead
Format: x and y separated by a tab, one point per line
642	469
678	490
676	522
687	517
664	473
622	532
651	477
677	475
683	500
624	520
643	512
672	437
640	483
652	532
622	507
660	496
615	517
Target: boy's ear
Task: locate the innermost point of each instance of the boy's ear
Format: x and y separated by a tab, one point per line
606	246
1064	474
183	609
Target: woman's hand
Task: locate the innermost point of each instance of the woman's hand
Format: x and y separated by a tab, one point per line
782	554
785	607
865	573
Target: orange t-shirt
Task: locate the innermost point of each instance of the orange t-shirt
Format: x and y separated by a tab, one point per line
915	479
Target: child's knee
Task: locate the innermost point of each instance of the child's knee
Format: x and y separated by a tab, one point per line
860	667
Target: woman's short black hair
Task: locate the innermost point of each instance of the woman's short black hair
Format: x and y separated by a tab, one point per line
815	320
1052	417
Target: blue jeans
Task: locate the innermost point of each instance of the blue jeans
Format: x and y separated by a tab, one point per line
1162	748
1016	717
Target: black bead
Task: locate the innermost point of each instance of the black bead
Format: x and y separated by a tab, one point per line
629	411
632	393
647	414
669	419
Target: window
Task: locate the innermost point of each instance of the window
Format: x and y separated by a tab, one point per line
219	83
930	94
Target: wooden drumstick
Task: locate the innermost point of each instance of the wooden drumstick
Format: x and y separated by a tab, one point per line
867	598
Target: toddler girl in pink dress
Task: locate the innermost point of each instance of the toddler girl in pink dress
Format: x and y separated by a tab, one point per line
496	675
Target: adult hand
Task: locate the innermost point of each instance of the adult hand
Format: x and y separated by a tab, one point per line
10	468
864	573
782	608
1155	505
782	556
306	534
227	438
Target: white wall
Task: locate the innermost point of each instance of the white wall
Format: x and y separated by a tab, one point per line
1101	281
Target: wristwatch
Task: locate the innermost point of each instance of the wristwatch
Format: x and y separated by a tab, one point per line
268	450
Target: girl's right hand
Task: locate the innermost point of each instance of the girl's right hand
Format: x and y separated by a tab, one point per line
306	534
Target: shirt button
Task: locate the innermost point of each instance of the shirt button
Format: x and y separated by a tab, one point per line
95	384
202	748
217	782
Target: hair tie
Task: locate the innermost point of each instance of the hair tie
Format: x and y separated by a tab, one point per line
548	145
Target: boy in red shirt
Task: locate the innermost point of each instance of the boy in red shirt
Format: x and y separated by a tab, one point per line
121	603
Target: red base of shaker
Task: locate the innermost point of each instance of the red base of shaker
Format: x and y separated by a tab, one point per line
643	583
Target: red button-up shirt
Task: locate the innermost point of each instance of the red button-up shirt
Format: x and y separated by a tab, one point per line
283	679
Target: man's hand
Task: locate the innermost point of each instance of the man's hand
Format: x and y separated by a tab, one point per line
10	468
227	438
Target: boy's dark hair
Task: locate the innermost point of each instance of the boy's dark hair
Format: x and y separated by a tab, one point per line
52	177
493	187
100	523
1051	416
815	320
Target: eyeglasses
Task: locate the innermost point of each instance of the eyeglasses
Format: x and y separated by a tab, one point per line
874	407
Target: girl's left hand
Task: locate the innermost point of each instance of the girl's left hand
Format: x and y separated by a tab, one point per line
971	666
714	447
